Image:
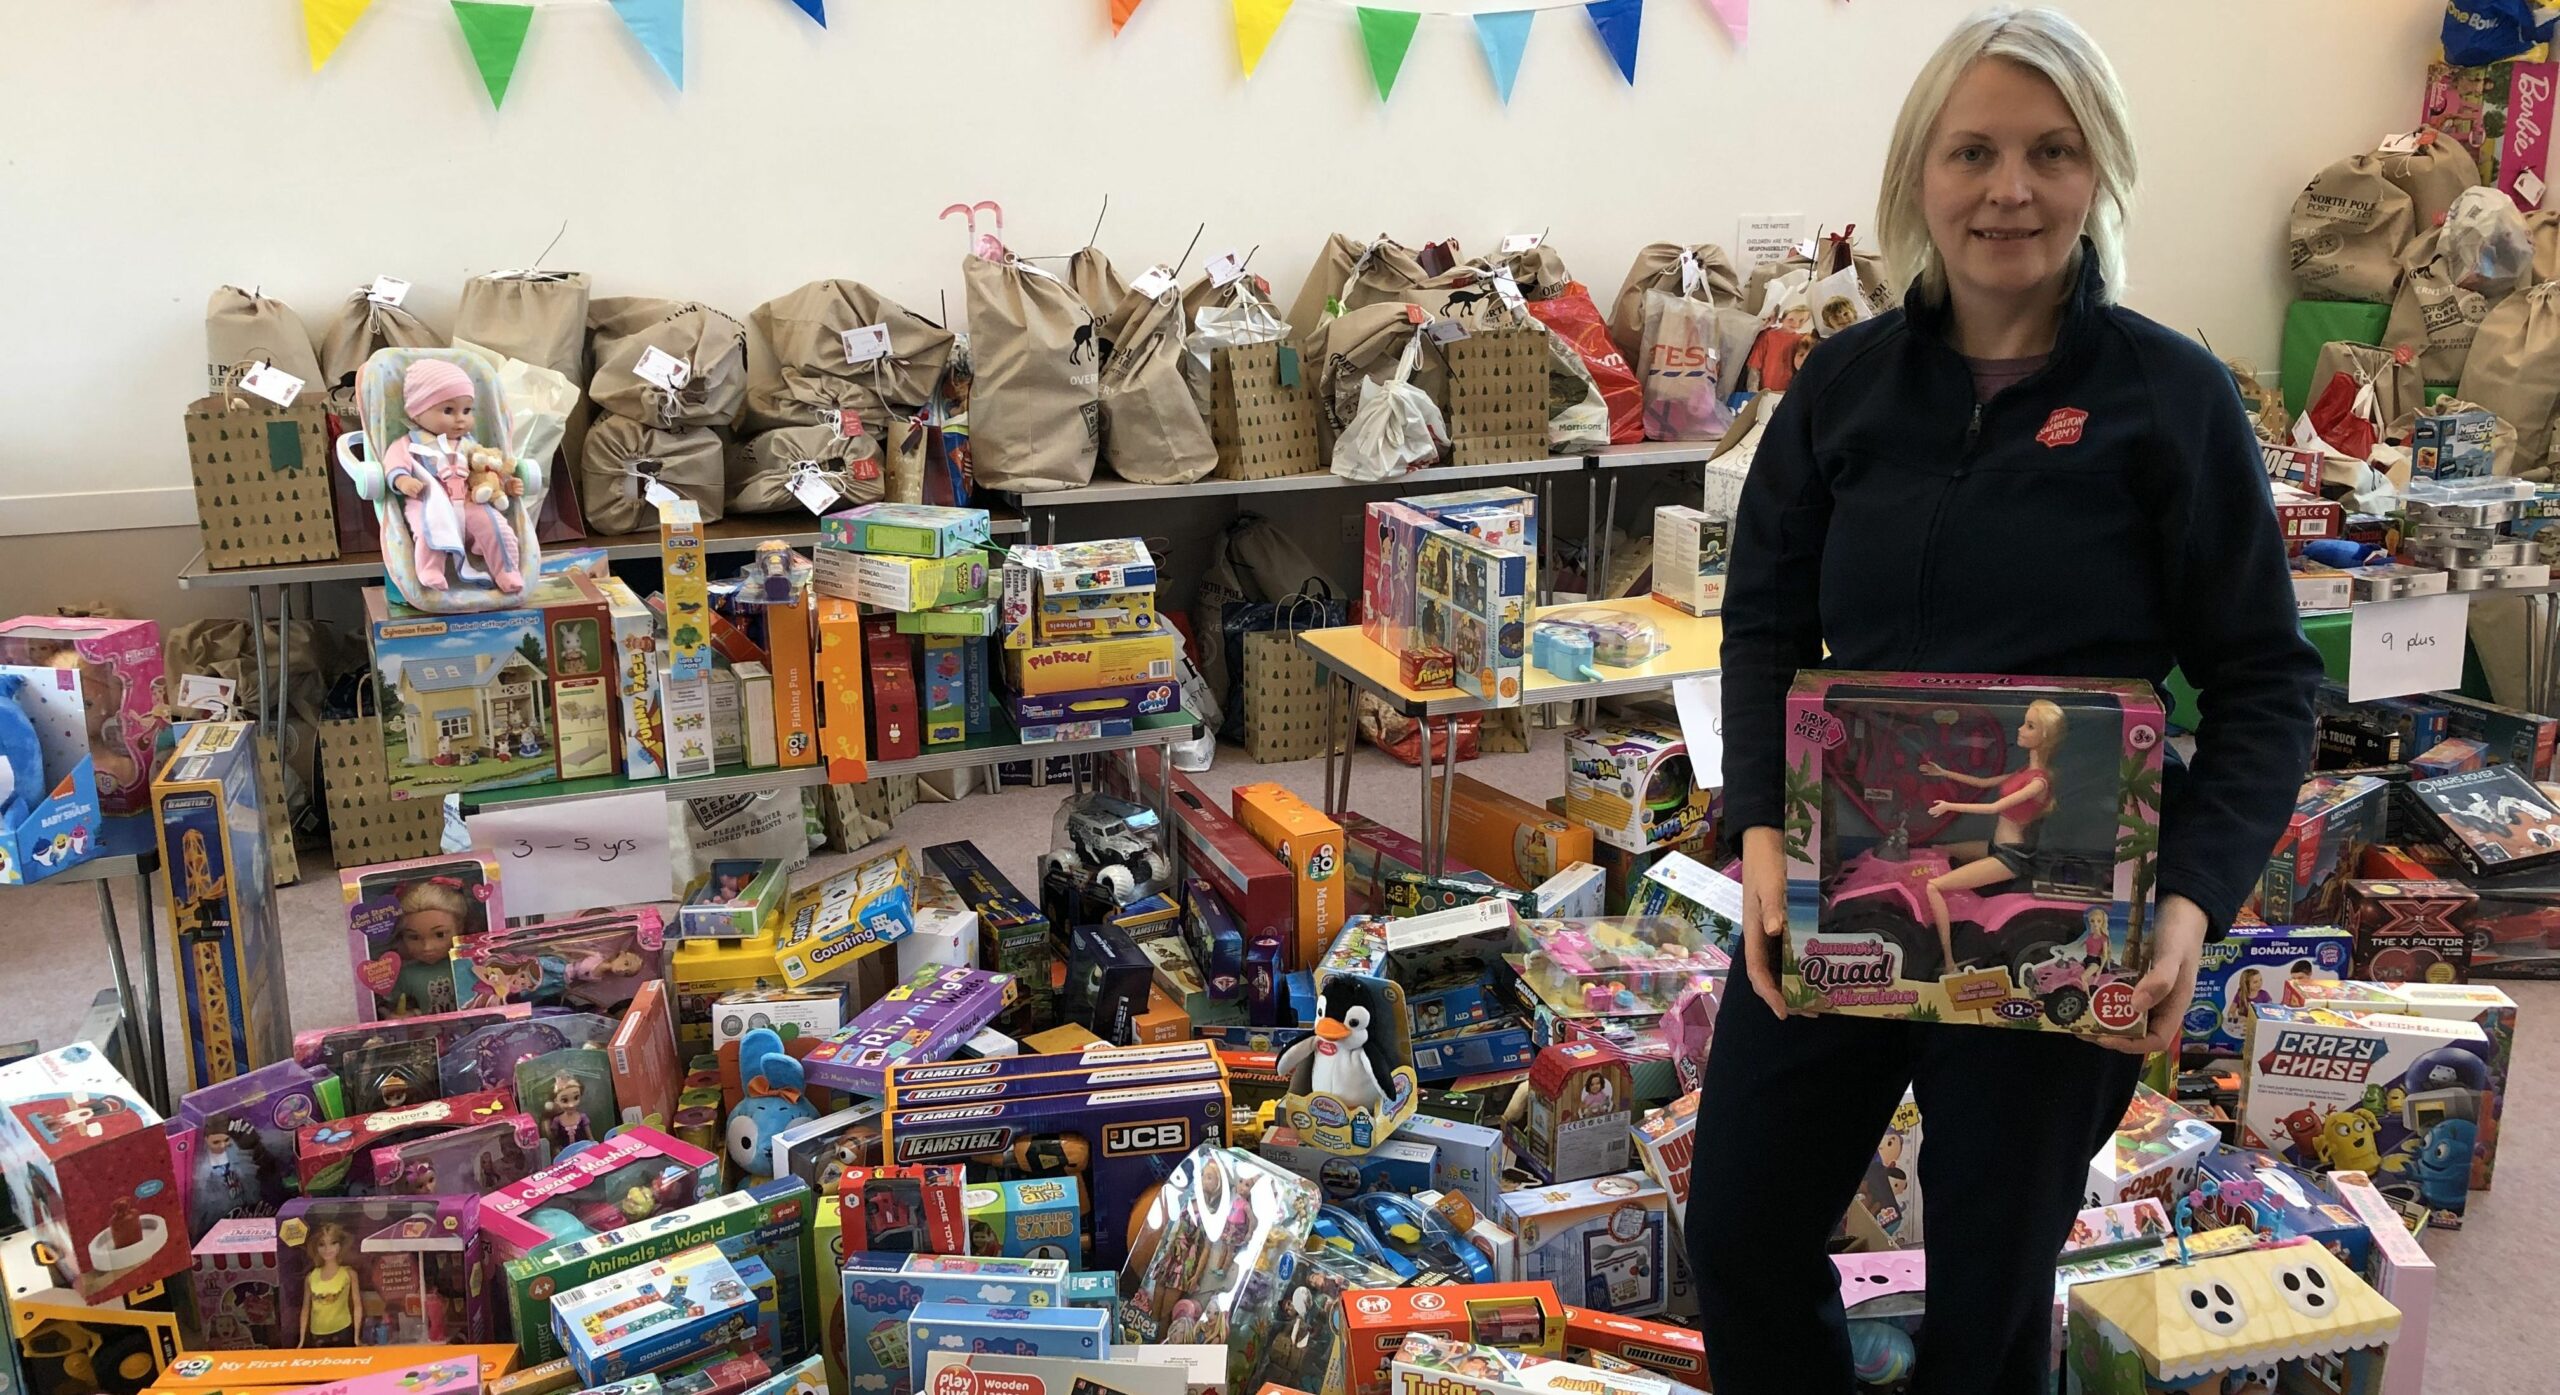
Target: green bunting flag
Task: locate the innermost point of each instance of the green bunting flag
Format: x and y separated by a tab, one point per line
1387	34
495	33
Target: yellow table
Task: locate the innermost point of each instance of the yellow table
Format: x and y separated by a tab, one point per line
1695	648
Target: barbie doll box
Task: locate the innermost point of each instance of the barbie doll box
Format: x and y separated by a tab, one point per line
1971	848
87	1162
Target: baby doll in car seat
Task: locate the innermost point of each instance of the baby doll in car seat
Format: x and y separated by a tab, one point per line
432	467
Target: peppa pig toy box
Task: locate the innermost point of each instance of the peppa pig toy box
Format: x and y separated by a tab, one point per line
1970	848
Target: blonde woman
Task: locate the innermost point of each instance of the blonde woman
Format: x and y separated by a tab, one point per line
2009	474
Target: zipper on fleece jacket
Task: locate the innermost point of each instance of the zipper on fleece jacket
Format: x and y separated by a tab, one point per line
1929	537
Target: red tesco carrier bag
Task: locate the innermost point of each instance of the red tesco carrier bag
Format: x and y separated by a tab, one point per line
1576	320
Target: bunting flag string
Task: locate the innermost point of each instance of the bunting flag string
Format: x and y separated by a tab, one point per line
1621	23
325	24
495	33
1504	35
1387	35
1256	22
659	26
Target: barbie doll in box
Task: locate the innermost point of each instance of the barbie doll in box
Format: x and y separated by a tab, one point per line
330	1289
2024	797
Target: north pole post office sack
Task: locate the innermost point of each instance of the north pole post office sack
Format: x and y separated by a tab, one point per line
1035	401
623	455
763	466
2430	167
1348	275
2514	371
706	387
541	318
1152	430
799	370
2433	317
2348	229
242	327
1702	271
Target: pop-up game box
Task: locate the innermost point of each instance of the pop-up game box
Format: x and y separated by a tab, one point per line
1971	848
2401	1099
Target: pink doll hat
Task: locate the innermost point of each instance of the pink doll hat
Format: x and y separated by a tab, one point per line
430	381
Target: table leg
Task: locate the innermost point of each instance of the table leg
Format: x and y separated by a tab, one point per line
151	1014
1052	516
1448	794
1430	862
2533	660
1590	536
258	646
1332	756
1608	541
1350	728
135	1038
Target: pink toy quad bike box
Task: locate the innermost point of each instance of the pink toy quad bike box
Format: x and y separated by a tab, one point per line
1969	848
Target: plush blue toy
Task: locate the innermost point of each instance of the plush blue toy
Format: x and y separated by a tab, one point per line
777	1098
22	785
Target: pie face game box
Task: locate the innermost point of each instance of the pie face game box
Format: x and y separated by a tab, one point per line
1970	848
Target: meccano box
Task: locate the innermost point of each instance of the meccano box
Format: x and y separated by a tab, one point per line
902	583
2410	932
1606	1240
1076	1334
1525	1318
1630	784
2492	1010
910	530
878	1291
2334	820
2495	820
1688	559
1310	846
653	1315
1078	665
2374	1093
1119	1144
2021	789
766	1220
2401	1272
1096	614
2527	740
924	1019
226	938
2154	1153
463	698
87	1162
2253	965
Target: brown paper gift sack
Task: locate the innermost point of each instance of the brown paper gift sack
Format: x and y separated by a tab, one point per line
2514	371
541	318
1832	254
364	325
2348	229
1091	276
621	452
713	347
2544	225
242	327
1035	403
796	365
1657	268
1355	273
366	824
1364	345
1283	701
2398	391
1152	430
2432	175
2432	316
262	479
761	467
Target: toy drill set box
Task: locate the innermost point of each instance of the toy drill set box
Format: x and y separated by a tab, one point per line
1604	1242
765	1221
2401	1098
89	1175
225	934
2255	964
1953	847
879	1291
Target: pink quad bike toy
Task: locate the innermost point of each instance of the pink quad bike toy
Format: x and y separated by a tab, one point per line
2049	929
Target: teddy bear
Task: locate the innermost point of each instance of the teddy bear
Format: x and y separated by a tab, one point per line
488	476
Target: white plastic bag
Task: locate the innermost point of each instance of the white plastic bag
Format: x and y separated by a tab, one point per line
1682	368
2485	246
1396	427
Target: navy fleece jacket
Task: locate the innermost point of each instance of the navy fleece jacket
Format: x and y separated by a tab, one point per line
2106	518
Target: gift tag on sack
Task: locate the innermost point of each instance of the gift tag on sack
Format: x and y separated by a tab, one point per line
206	693
1224	267
387	290
1690	275
272	383
658	495
2399	143
1521	242
662	369
2529	184
1509	290
1446	331
846	421
813	489
1153	282
863	343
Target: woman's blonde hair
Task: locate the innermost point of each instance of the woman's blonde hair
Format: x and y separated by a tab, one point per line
2046	43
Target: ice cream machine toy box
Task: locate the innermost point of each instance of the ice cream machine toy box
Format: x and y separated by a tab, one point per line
1970	848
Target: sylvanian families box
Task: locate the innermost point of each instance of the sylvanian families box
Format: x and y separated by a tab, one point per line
1971	848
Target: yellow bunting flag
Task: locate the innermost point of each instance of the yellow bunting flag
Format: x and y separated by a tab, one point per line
325	24
1256	22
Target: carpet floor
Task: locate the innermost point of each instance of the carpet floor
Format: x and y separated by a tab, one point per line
2494	1294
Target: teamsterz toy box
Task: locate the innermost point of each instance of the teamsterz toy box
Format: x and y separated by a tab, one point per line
2399	1098
1953	847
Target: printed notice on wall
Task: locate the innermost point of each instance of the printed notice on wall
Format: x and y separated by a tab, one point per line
1768	237
2412	646
556	858
1701	705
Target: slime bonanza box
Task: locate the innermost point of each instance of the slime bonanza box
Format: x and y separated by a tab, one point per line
2002	799
2401	1099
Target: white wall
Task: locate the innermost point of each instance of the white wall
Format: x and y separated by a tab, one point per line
151	151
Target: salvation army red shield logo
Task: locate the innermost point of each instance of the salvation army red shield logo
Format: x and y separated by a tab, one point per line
2063	427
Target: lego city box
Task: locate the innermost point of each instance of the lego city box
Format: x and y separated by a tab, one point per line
2401	1099
1971	848
89	1174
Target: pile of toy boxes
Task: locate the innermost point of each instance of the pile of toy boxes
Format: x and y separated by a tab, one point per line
923	576
2463	530
1446	582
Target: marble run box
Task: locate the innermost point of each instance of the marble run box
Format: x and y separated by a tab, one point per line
1310	846
927	1018
877	1292
1059	1332
2255	964
2402	1099
87	1163
1250	882
654	1314
1119	1143
226	937
767	1220
1604	1241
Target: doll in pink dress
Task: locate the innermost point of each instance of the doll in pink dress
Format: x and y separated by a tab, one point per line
431	467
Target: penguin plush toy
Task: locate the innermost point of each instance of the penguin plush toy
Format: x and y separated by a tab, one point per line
1347	1057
